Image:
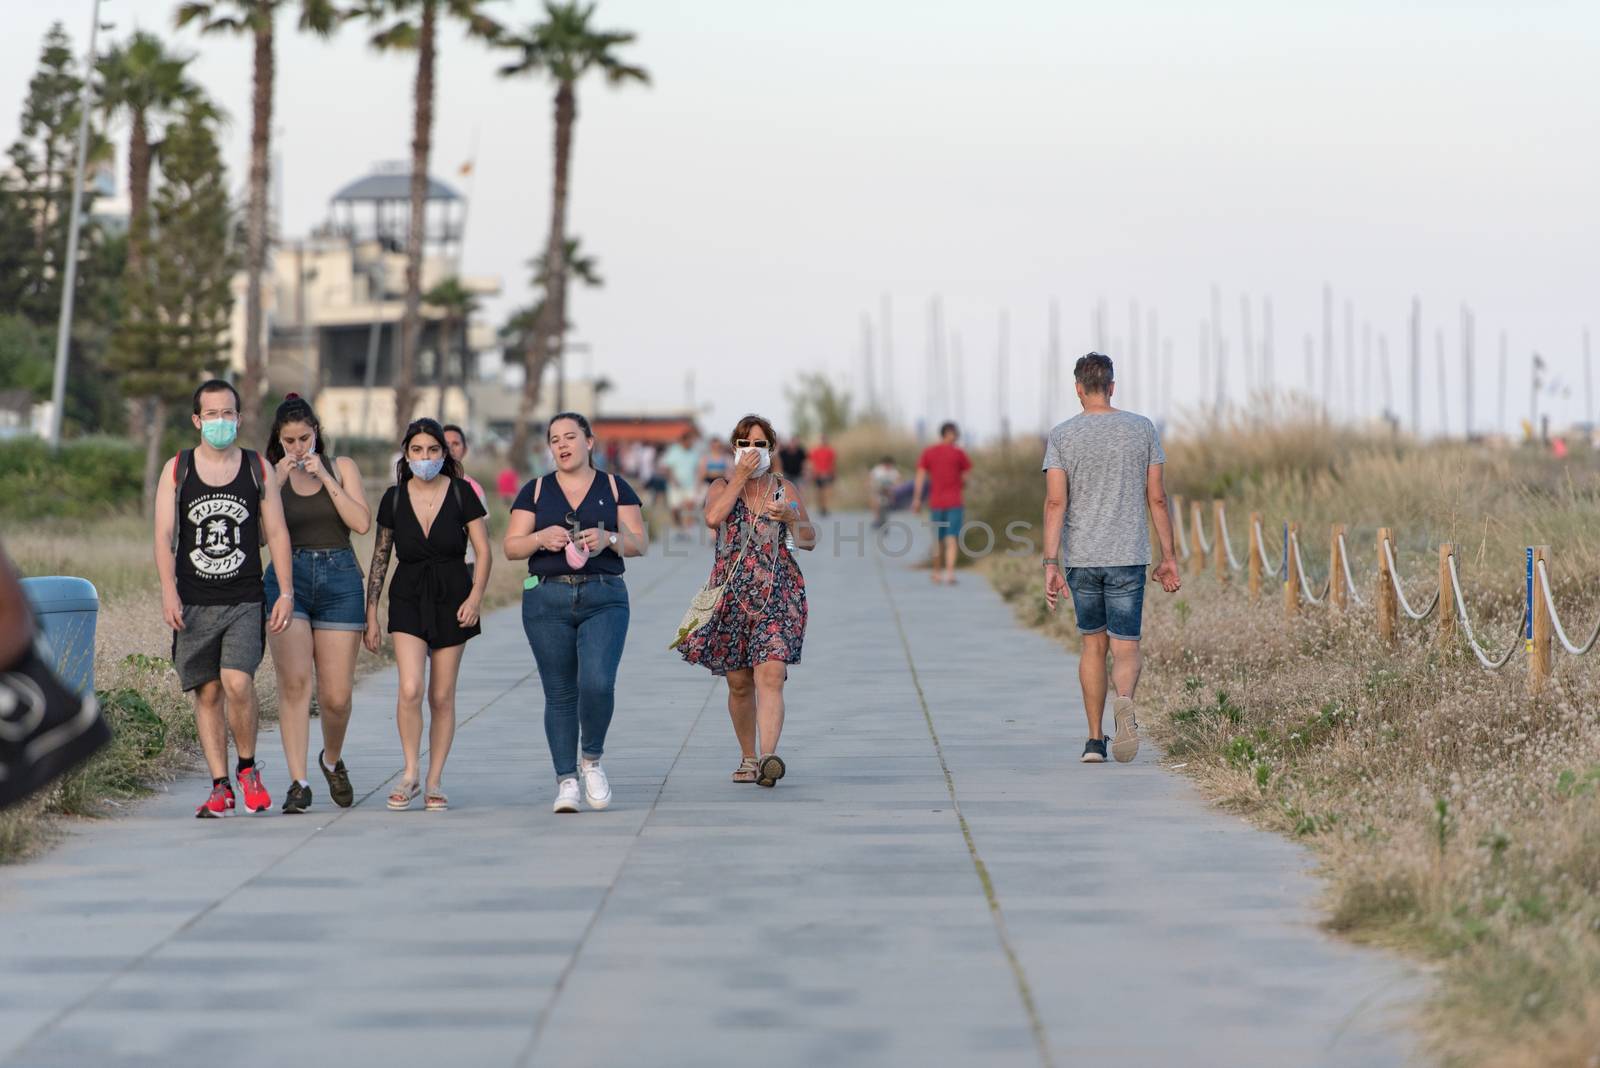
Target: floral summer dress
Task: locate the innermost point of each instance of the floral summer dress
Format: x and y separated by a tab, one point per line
762	614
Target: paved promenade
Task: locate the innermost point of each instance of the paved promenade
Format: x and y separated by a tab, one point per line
938	881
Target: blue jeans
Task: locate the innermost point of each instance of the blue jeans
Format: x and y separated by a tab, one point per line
1109	599
576	632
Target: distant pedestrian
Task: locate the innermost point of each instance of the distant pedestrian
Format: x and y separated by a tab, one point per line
323	502
792	458
574	526
1103	469
824	469
760	622
427	521
456	441
881	483
681	464
214	504
716	463
943	469
506	485
46	729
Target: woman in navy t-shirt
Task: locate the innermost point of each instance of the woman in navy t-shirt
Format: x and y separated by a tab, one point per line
574	526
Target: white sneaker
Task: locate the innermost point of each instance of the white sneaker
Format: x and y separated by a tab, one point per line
567	796
596	789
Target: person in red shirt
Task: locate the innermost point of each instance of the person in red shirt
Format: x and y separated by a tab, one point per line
824	468
507	485
943	469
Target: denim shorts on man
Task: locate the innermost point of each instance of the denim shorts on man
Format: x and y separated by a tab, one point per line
947	522
217	637
1109	599
327	589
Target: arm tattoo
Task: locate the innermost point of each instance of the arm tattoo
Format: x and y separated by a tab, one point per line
380	564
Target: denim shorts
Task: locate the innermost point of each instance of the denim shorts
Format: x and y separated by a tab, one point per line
1109	599
327	589
947	522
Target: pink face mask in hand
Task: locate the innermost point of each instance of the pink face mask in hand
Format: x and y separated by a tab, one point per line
577	555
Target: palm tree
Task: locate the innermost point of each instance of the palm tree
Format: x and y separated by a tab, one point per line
145	82
458	303
566	47
521	331
256	19
412	25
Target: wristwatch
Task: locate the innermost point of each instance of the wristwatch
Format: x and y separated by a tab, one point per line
612	538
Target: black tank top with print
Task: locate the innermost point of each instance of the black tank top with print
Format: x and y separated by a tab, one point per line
219	539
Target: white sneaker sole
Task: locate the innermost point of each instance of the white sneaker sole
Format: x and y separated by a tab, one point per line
1091	758
598	803
1125	745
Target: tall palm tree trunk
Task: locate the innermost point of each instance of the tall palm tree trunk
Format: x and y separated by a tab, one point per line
421	139
139	158
550	328
250	384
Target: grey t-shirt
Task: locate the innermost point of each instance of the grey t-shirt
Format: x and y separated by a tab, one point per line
1107	458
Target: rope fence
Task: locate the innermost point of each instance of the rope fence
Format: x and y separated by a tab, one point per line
1539	630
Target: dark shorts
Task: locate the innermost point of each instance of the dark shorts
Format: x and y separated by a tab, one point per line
327	589
218	637
1109	599
947	522
823	481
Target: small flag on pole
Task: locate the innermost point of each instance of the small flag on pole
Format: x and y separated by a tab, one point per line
466	168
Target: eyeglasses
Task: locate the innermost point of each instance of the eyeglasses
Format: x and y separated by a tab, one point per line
746	443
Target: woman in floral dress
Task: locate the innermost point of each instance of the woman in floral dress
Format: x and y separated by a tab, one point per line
760	623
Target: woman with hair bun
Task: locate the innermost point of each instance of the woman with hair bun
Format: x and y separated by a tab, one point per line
427	521
322	503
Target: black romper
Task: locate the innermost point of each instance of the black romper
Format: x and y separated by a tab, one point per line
432	578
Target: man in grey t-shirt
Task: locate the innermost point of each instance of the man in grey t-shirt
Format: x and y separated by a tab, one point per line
1102	470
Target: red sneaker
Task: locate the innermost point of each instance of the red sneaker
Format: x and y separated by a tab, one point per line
218	805
256	798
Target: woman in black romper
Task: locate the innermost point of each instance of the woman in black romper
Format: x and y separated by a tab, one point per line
427	522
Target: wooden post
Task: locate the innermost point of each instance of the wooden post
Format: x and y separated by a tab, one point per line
1388	604
1219	546
1197	559
1338	592
1254	565
1447	601
1291	579
1539	664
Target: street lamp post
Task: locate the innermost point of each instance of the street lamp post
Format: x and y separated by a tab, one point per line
58	387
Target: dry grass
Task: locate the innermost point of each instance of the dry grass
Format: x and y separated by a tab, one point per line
1456	817
153	720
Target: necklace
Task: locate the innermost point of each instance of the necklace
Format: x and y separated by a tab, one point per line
433	503
762	489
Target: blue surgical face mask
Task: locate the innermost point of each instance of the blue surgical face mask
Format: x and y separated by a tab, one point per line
427	470
219	433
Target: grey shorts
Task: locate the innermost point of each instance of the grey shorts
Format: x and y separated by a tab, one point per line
218	636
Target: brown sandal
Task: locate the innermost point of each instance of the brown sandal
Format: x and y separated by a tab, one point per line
747	770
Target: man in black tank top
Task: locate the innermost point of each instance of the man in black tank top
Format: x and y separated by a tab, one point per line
213	504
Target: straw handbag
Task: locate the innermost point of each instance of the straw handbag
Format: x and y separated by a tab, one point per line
704	604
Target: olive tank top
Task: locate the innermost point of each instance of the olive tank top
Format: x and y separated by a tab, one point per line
313	521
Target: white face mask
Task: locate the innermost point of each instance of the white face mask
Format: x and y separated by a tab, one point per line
763	466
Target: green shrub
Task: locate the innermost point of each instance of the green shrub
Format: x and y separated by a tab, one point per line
87	478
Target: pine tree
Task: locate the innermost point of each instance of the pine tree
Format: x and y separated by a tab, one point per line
174	330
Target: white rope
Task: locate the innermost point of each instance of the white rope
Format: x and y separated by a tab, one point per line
1227	543
1350	583
1300	566
1200	536
1177	527
1561	634
1400	593
1261	551
1495	663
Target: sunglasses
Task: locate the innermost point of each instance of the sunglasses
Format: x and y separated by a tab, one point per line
746	443
573	524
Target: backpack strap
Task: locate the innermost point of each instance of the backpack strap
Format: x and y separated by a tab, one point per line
538	484
258	469
181	464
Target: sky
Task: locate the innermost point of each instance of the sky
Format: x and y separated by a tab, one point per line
794	166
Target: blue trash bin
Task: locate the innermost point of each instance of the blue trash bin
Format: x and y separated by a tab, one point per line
67	609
